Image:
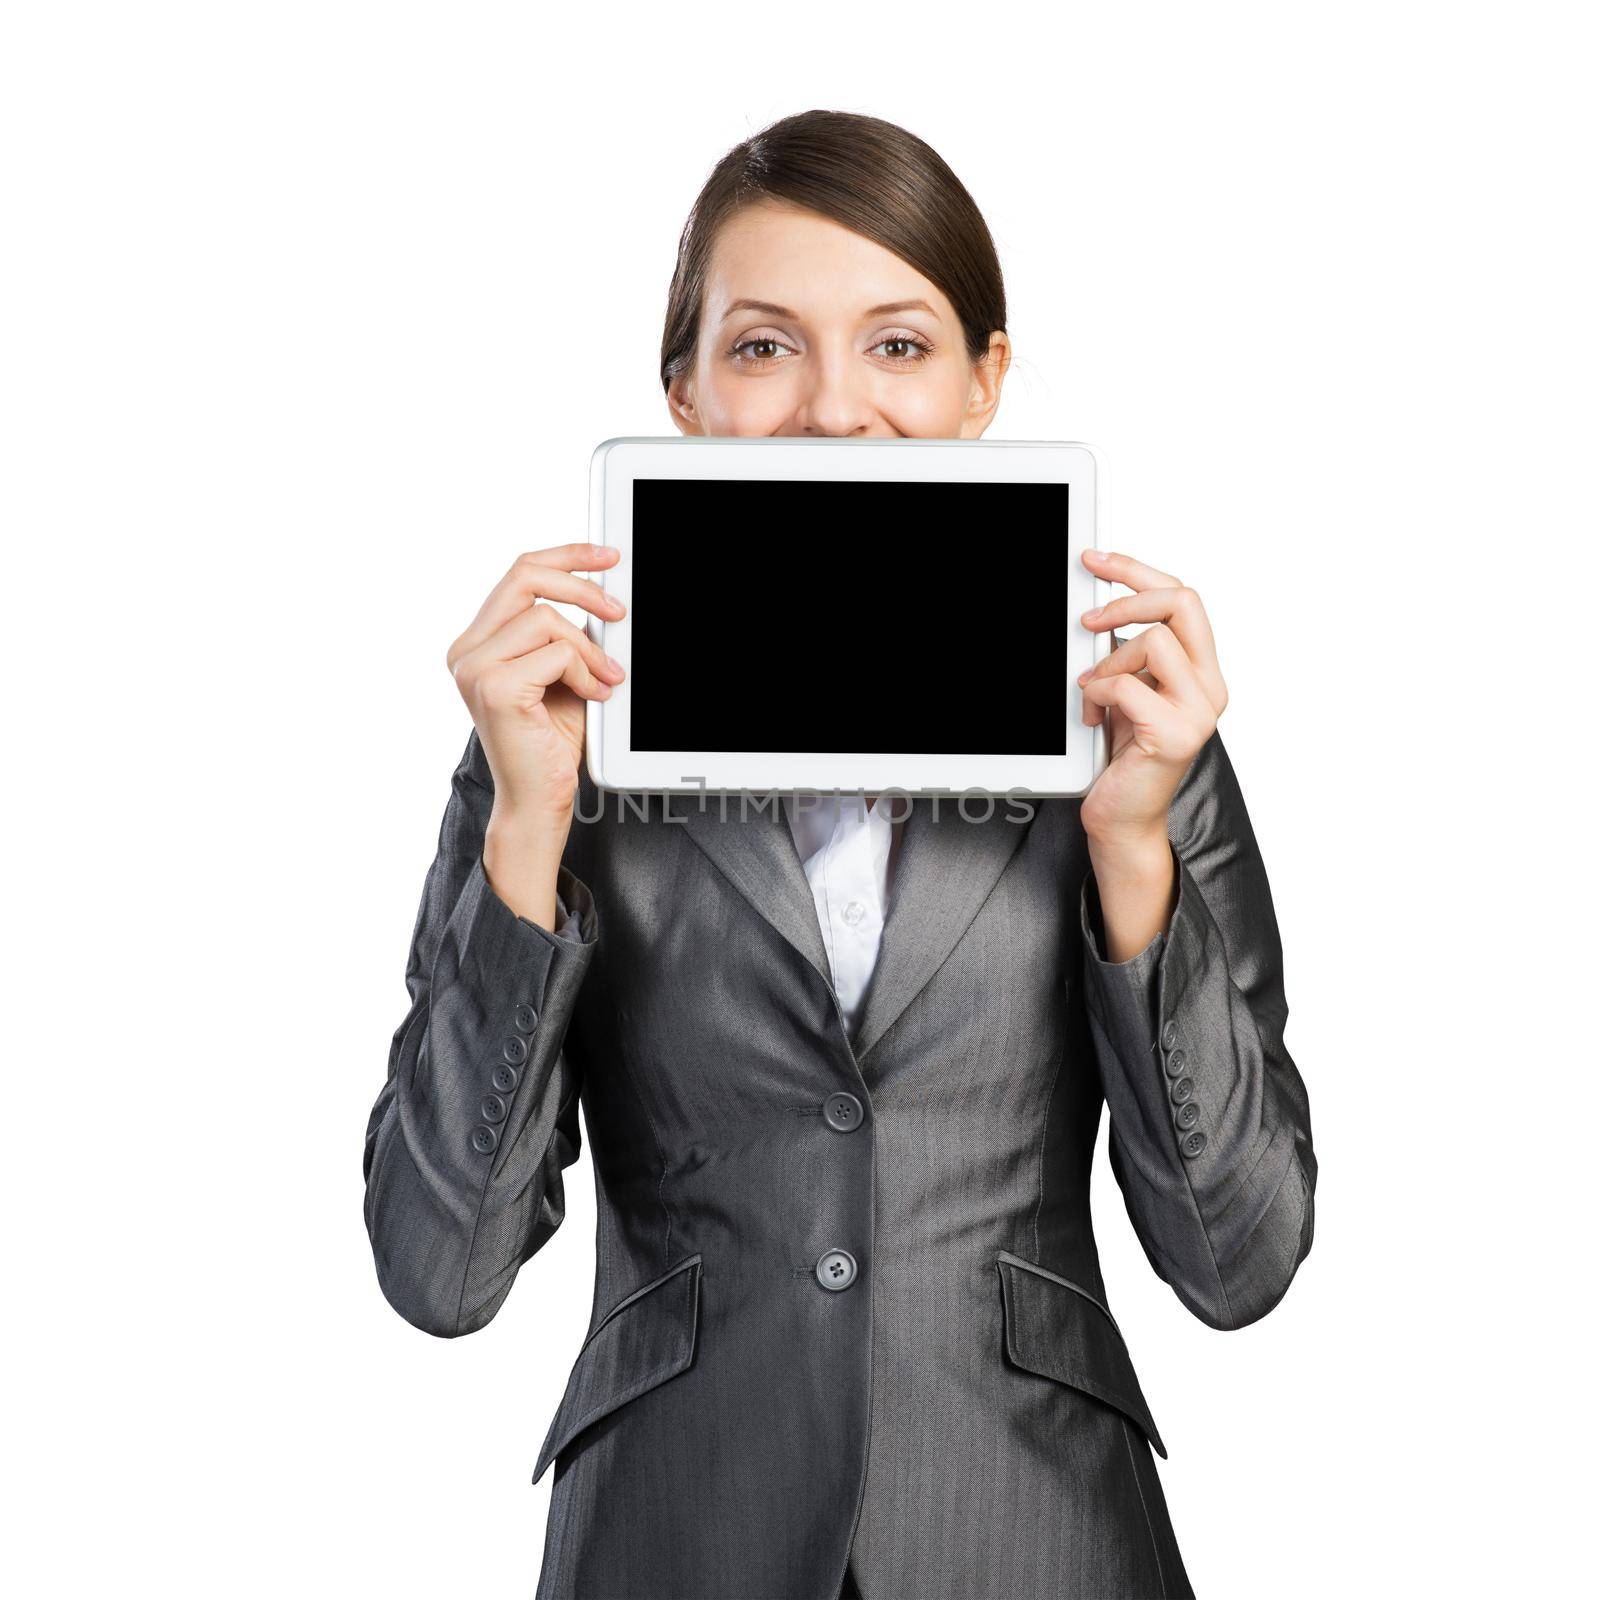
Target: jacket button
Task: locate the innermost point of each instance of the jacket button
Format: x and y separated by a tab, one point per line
1174	1063
504	1079
493	1108
484	1140
1182	1090
836	1269
842	1111
1192	1143
526	1017
1169	1035
515	1050
1186	1115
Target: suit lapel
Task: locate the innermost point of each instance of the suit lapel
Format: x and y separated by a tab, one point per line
755	851
943	874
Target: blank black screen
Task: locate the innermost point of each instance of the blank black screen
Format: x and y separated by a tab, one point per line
918	618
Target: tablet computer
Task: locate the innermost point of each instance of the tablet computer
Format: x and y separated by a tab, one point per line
867	615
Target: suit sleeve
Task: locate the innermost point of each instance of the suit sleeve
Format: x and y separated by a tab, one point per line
467	1142
1210	1137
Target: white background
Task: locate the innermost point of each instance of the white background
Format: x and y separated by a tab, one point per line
312	314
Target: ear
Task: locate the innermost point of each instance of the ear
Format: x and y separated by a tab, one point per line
680	403
988	374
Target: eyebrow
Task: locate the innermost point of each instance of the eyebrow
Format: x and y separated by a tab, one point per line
767	308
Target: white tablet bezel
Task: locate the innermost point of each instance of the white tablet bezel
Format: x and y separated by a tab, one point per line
617	462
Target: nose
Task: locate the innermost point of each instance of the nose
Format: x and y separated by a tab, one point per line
835	403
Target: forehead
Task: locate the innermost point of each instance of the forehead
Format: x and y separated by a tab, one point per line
819	267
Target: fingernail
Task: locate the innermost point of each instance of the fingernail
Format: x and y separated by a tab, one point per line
1089	616
616	604
616	666
1083	677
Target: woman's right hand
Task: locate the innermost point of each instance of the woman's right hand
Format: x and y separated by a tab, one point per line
525	673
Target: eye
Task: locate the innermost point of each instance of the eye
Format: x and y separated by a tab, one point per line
908	347
762	347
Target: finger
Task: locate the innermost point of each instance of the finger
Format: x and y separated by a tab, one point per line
1158	652
543	574
530	630
525	680
538	626
1158	727
1183	611
531	578
563	658
1119	568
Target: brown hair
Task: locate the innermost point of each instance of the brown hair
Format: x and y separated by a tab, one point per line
872	177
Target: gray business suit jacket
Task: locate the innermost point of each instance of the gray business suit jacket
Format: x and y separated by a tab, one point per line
963	1420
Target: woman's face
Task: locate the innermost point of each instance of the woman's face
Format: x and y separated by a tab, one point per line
809	329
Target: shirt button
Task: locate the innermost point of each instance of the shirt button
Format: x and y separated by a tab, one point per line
842	1111
484	1139
504	1079
854	912
1182	1090
1192	1143
836	1269
526	1016
1169	1035
1175	1063
1186	1115
515	1050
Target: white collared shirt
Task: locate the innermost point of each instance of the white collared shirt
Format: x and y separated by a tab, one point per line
847	850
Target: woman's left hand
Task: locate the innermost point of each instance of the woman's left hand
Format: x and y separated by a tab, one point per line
1168	693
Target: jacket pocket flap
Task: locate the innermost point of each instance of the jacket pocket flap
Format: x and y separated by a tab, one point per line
1059	1330
640	1342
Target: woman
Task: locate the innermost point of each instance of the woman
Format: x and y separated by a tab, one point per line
849	1327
